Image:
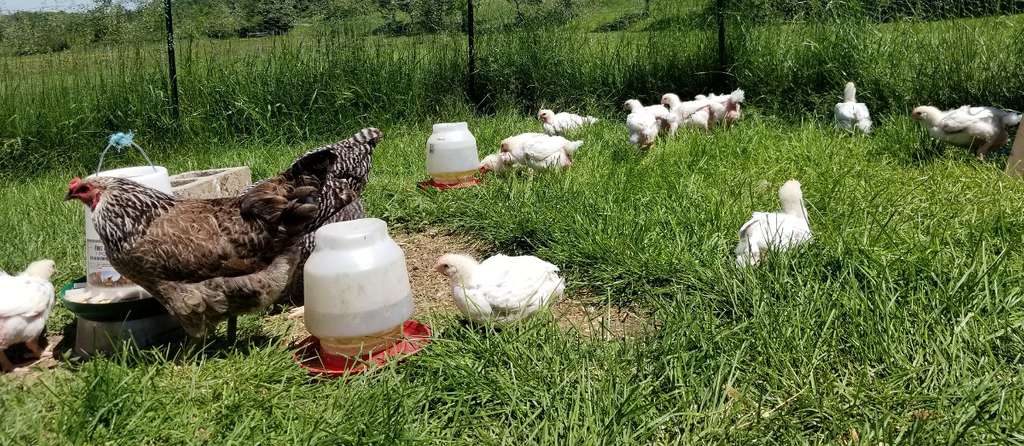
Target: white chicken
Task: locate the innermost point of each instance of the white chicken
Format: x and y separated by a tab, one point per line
496	162
979	128
538	153
501	289
643	124
776	231
514	144
562	123
726	108
25	303
850	114
693	114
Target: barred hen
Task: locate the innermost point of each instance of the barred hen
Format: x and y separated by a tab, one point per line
349	172
205	260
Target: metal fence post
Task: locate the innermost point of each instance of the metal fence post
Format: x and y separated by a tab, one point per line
172	70
471	41
1015	163
722	56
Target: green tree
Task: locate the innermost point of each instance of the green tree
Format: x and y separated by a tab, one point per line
432	15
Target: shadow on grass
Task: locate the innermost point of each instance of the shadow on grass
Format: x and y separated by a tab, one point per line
178	350
622	23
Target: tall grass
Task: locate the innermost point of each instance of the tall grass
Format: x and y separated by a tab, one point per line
56	109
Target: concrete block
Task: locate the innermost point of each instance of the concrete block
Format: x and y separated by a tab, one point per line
212	183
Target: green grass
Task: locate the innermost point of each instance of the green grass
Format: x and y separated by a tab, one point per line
902	321
55	110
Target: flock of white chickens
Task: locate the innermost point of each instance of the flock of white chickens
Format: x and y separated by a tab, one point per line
491	291
504	289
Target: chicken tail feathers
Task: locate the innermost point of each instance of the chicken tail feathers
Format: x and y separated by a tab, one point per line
370	136
314	164
792	199
287	206
737	96
850	93
572	146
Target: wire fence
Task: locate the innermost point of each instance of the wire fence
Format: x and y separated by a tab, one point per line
348	67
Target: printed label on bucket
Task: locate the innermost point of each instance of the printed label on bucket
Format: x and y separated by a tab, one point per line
101	273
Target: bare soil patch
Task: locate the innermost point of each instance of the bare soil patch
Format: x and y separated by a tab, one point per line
577	310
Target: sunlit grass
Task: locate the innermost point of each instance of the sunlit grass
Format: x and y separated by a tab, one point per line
902	322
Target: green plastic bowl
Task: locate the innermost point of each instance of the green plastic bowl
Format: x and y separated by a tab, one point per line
111	312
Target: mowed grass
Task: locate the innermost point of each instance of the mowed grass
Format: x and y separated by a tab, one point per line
902	323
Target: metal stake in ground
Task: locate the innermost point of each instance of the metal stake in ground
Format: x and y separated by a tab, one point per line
471	42
722	56
172	70
233	329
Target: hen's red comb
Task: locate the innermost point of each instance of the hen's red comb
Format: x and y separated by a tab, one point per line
75	182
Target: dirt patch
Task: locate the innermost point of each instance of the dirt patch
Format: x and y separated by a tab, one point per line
430	290
586	314
581	311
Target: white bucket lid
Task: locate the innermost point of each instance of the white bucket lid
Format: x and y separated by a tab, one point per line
155	177
352	234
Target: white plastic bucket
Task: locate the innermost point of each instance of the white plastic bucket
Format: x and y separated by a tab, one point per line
452	156
103	282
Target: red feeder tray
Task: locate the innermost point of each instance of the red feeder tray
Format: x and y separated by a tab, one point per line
311	357
431	184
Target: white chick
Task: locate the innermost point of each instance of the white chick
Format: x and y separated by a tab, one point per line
778	231
496	162
692	114
25	303
514	144
537	153
726	108
562	123
980	128
850	114
667	121
501	289
548	153
643	125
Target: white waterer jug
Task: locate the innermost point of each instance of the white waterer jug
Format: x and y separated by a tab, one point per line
103	283
452	156
356	288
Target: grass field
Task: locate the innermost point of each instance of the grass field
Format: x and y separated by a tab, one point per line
902	323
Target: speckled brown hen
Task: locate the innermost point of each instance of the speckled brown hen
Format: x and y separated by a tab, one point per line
205	260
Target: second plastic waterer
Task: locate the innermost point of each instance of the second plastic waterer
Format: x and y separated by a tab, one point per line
357	288
452	158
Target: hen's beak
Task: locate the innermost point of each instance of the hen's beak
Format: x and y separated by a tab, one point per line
484	169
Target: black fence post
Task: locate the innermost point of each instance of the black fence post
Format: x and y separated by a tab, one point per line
723	57
471	40
172	70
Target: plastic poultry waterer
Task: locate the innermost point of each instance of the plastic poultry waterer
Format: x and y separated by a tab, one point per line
358	300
